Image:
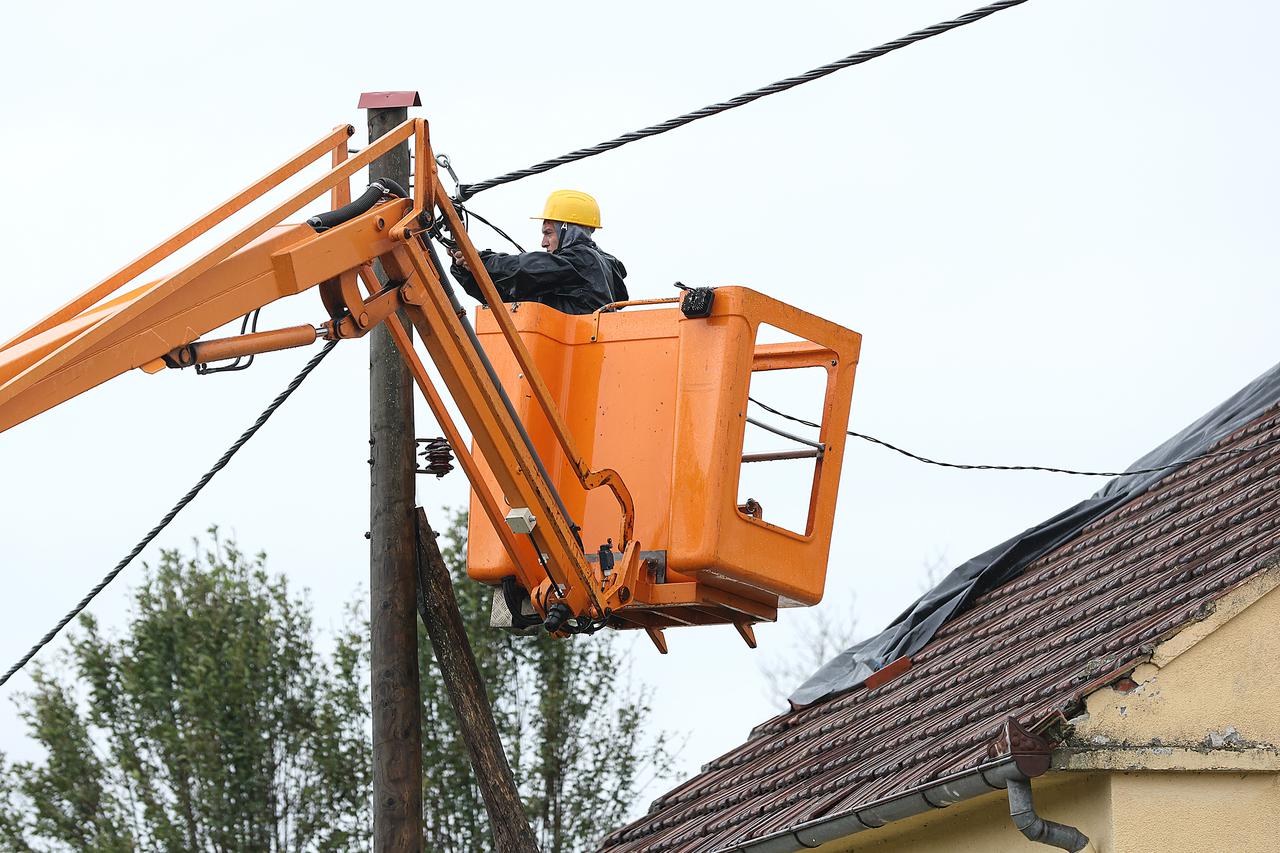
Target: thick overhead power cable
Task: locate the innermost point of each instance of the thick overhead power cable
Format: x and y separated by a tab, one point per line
466	191
171	514
968	467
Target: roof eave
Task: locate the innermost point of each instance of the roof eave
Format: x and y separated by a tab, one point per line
938	794
1018	754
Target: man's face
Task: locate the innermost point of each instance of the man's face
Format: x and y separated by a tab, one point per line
550	235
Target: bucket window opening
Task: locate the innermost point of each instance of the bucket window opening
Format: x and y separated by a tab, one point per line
778	474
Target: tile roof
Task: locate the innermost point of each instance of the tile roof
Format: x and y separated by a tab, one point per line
1076	619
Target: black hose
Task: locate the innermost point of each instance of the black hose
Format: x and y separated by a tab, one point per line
374	193
391	186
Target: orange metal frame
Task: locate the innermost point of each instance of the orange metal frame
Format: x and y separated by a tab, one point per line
100	335
103	333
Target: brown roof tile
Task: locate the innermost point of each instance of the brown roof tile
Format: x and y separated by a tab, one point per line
1078	618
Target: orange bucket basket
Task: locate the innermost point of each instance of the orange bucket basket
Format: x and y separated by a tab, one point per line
662	398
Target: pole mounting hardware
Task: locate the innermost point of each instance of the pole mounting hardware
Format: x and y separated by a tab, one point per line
437	455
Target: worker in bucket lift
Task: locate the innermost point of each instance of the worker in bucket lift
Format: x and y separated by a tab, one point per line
573	275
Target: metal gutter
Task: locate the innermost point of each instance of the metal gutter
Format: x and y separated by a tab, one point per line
1018	756
938	794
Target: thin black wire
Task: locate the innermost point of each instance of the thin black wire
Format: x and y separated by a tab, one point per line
503	234
964	467
206	370
171	514
466	191
555	587
444	162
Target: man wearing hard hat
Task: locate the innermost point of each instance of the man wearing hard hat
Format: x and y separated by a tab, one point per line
573	275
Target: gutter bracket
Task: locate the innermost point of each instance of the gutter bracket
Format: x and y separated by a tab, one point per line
1030	752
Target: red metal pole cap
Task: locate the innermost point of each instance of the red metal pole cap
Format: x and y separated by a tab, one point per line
375	100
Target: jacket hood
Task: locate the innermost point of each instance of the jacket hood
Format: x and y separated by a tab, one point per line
571	235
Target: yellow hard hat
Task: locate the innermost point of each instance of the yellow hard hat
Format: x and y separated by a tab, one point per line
571	206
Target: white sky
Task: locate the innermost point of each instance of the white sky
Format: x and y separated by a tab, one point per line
1054	228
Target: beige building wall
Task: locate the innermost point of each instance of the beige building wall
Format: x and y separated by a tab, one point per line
1192	812
1212	688
1184	760
1121	812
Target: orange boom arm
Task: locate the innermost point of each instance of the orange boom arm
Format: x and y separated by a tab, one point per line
105	332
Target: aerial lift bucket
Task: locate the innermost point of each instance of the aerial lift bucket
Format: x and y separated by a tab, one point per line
661	397
623	423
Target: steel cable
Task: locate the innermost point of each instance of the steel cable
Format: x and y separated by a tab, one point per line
171	514
466	191
968	467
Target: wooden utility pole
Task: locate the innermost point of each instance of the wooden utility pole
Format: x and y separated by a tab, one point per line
461	676
396	697
402	544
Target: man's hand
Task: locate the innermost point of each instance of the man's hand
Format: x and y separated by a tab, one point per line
459	259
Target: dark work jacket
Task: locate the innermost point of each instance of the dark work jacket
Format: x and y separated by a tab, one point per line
577	278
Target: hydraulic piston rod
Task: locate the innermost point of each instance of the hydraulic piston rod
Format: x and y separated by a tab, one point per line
221	349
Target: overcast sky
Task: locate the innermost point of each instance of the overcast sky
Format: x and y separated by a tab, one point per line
1054	228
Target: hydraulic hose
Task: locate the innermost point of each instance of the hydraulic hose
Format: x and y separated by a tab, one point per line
374	193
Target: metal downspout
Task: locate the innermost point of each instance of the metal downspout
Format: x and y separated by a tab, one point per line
1023	812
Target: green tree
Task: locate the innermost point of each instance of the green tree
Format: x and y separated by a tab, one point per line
571	719
212	724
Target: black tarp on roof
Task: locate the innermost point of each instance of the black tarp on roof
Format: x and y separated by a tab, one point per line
913	629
